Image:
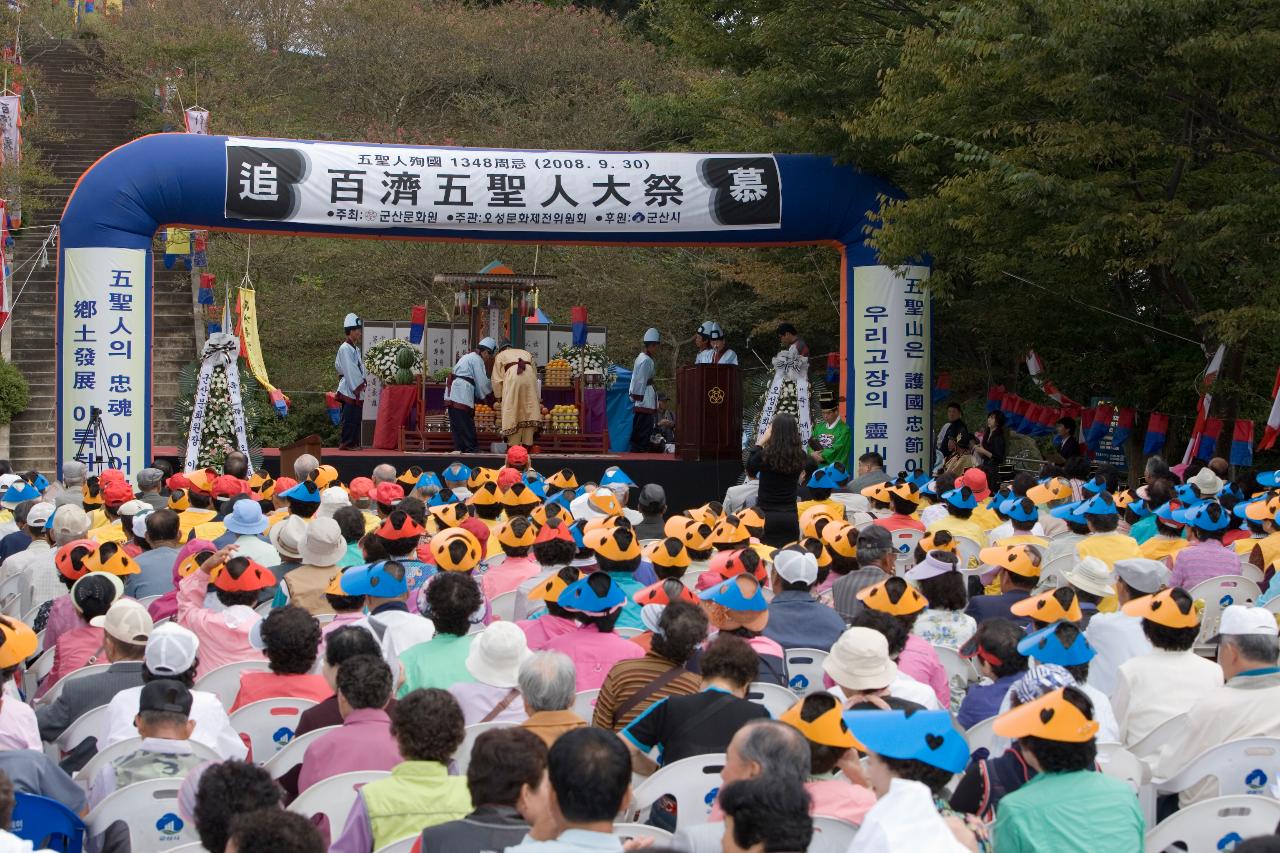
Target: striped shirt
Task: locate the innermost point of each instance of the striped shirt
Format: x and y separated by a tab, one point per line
629	676
1201	561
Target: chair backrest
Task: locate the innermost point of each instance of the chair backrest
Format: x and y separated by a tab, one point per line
36	670
224	682
1165	733
804	670
86	774
56	690
290	755
905	540
404	845
960	671
982	735
150	809
268	724
1215	824
774	697
831	835
1246	766
462	758
334	797
1118	762
628	831
1053	573
1249	570
1273	605
967	552
146	600
690	579
693	781
265	607
88	724
584	704
14	594
628	633
1217	594
47	824
504	606
325	618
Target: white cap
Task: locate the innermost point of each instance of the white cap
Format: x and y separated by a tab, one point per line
39	514
322	544
332	499
1242	620
70	522
133	507
127	621
7	480
351	321
496	654
652	336
140	522
795	565
488	343
171	650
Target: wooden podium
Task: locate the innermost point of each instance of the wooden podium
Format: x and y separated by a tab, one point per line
709	412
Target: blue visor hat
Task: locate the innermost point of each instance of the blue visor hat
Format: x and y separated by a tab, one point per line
1045	646
443	498
925	736
19	492
1016	508
1209	517
41	482
1099	504
306	492
1067	511
920	481
1094	486
1270	479
429	479
961	498
1187	495
457	473
581	598
536	488
614	476
827	477
374	580
729	596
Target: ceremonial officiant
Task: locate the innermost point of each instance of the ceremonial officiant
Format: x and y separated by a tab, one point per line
351	382
515	387
469	384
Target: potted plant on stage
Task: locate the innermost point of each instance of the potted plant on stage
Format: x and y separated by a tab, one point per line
396	365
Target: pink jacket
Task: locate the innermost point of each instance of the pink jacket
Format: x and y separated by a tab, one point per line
74	649
224	635
593	653
920	661
508	575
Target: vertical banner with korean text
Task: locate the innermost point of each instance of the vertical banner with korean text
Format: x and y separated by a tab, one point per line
104	358
890	366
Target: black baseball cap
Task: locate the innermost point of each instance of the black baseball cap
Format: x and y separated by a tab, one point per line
165	696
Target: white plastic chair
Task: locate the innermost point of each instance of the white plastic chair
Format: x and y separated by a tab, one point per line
1217	594
146	600
504	606
831	835
967	552
1119	763
775	698
103	757
335	796
265	607
1053	573
150	809
325	618
88	724
56	690
804	670
1249	765
1166	733
224	682
269	724
291	754
981	735
960	670
462	758
693	781
628	633
905	540
35	672
628	831
690	579
404	845
14	591
1274	604
1250	571
584	704
1216	824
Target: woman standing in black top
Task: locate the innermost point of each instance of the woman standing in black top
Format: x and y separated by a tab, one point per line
993	448
781	459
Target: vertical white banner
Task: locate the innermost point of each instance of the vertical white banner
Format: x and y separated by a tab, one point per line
892	364
104	358
375	332
10	135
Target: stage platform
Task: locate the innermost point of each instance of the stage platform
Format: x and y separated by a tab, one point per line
688	484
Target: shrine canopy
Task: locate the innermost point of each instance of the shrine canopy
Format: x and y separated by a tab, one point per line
341	189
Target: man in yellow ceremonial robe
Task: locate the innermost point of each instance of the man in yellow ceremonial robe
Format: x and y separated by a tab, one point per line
515	385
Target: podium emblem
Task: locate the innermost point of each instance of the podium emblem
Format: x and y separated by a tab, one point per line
716	395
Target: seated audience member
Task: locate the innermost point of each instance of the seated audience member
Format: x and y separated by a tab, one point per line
1064	644
364	740
420	793
737	606
290	638
554	620
274	831
441	662
761	749
1067	805
875	556
347	609
9	842
1155	687
634	684
796	618
995	647
386	594
1018	572
1092	580
171	654
853	650
92	596
516	537
32	772
1061	604
322	547
340	646
595	602
165	726
943	622
819	718
897	599
546	682
910	759
704	722
1117	637
493	661
125	628
18	727
763	814
155	565
507	778
226	790
193	553
590	782
1206	557
1245	706
961	503
554	549
224	634
1105	542
993	774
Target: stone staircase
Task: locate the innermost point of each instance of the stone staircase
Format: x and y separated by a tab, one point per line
84	126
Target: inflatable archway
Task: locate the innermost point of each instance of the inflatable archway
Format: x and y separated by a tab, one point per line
328	189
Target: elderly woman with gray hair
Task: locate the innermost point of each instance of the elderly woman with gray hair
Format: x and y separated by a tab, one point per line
548	684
